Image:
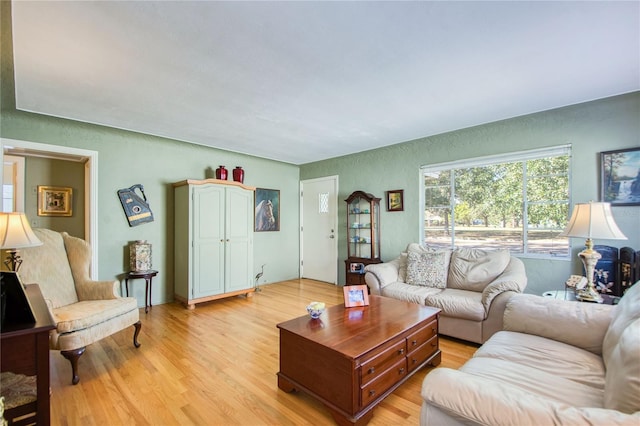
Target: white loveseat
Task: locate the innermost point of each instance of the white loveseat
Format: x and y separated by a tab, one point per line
557	363
470	286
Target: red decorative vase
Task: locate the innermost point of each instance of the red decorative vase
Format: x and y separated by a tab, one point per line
221	173
238	174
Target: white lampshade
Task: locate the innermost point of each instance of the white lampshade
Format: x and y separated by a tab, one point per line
593	220
15	232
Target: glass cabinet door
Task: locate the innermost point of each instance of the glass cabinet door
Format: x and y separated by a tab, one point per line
363	216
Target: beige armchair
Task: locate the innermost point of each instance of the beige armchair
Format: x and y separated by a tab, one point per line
85	311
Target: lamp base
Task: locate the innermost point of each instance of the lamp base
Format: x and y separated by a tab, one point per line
588	296
13	261
589	258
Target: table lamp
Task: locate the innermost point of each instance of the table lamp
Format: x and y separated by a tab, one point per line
15	233
591	220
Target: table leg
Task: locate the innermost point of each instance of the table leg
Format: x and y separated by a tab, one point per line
126	284
146	295
150	288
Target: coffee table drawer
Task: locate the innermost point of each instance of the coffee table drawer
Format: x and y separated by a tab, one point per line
384	381
378	363
422	353
423	335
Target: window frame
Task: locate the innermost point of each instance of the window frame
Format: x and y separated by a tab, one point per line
510	157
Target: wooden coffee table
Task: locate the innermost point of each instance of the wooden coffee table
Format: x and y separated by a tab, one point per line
350	359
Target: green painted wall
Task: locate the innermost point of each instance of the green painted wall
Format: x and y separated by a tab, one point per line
590	128
48	172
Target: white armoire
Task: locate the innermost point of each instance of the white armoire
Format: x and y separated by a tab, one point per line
213	240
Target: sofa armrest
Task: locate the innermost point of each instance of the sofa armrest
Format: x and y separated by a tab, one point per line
482	401
513	278
379	275
97	290
578	324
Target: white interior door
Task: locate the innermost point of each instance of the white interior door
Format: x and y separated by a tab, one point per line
318	233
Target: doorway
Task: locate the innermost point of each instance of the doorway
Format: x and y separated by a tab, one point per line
88	158
318	232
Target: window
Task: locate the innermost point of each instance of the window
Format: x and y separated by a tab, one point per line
517	201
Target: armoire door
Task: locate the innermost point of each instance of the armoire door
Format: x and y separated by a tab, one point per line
208	240
239	239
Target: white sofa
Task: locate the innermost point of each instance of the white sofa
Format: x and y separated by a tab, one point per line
557	363
470	286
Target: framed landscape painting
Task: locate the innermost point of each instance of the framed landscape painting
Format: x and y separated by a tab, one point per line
620	177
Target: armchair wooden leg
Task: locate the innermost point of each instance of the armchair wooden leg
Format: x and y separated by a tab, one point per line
138	326
73	356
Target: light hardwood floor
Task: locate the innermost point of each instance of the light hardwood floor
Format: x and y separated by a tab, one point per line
215	365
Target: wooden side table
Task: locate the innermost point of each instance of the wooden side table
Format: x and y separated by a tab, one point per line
25	351
148	277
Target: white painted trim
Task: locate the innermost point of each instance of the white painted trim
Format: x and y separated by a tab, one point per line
91	183
18	167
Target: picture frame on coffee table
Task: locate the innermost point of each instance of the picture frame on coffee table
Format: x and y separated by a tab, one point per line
356	295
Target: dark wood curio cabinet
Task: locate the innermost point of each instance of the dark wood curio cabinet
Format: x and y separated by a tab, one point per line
363	235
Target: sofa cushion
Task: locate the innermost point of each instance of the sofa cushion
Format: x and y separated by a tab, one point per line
428	268
472	269
570	362
620	350
408	292
458	303
535	382
622	385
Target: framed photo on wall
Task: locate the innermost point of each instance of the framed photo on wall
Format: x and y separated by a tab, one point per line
267	210
55	201
620	177
395	200
356	295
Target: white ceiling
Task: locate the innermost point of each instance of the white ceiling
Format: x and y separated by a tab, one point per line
305	81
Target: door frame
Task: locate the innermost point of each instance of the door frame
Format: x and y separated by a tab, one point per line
90	160
335	180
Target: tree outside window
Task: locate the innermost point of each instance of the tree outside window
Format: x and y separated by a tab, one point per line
520	204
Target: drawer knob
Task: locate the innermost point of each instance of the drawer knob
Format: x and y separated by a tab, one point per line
434	344
414	342
413	361
372	392
401	351
401	370
372	370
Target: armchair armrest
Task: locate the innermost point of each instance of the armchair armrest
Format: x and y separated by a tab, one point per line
482	401
97	290
576	323
379	275
513	278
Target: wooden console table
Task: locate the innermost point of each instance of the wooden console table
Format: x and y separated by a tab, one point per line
25	350
350	359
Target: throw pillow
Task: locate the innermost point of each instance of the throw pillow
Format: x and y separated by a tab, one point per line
402	270
428	269
472	269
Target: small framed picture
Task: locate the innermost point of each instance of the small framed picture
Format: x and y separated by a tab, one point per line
620	177
356	295
357	268
395	200
54	201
